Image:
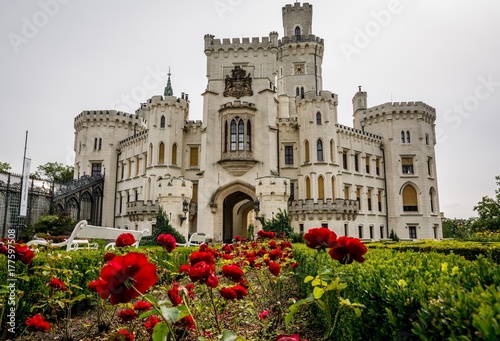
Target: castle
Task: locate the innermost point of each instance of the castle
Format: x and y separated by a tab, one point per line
269	141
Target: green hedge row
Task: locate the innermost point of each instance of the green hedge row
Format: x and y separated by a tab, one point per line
469	250
84	265
410	295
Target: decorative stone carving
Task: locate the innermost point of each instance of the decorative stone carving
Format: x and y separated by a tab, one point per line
239	84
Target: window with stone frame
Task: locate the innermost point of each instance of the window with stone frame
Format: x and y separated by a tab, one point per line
289	155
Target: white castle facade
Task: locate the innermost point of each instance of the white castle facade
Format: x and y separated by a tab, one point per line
269	141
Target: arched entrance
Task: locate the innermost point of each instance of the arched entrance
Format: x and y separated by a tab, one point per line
236	201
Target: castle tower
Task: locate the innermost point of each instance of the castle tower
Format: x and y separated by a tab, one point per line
300	54
409	138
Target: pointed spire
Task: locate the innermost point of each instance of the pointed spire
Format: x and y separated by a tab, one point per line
168	89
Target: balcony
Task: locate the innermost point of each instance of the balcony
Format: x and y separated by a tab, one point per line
140	210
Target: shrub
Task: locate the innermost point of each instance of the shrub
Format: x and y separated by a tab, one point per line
162	227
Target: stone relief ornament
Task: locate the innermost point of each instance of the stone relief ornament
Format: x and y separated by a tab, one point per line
239	84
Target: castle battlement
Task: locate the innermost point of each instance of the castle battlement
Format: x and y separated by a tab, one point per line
245	44
238	104
296	7
159	100
301	39
143	135
324	96
108	115
193	126
400	108
358	133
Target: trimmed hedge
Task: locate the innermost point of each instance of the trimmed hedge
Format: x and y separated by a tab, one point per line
409	295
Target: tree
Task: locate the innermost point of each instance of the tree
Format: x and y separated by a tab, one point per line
55	225
279	224
162	226
55	171
457	228
488	210
4	167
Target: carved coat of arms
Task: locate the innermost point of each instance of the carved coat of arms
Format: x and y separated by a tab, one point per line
239	85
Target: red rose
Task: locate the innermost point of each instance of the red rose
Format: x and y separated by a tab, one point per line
263	314
212	281
119	274
57	284
347	250
167	241
186	323
124	335
184	268
197	257
125	239
199	272
294	337
37	323
93	285
233	272
320	238
151	323
173	295
228	293
127	315
272	244
142	306
275	254
240	291
24	253
274	268
109	256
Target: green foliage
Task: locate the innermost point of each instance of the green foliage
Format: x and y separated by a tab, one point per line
393	236
457	228
296	237
55	225
4	167
162	226
54	171
488	210
411	295
279	224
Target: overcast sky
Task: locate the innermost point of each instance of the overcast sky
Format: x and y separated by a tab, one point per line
60	57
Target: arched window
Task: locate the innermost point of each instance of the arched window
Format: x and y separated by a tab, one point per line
332	151
410	202
249	136
333	188
402	136
319	150
174	154
233	135
297	32
95	143
162	122
318	118
321	188
100	143
241	135
301	92
161	153
308	188
426	138
297	91
150	153
407	136
306	148
432	195
225	136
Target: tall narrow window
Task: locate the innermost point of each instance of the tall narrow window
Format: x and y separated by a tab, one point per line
95	143
306	147
412	231
429	166
174	154
193	157
162	122
161	153
408	136
402	136
241	135
297	91
377	166
150	153
431	198
369	199
346	229
100	143
379	200
194	199
346	192
301	92
321	187
318	118
225	136
249	136
356	162
137	166
233	135
344	160
410	199
297	32
308	188
319	150
123	170
145	163
371	231
360	231
288	155
333	188
427	138
332	151
381	231
367	164
358	197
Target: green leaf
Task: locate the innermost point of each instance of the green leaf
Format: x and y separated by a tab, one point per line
308	279
160	332
318	292
170	314
228	336
357	311
149	313
150	298
316	282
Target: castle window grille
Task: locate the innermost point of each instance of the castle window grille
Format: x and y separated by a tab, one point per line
288	155
241	135
249	136
319	149
96	169
233	135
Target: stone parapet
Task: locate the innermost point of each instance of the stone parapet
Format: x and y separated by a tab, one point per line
339	209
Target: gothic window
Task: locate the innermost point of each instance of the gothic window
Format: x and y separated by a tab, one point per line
288	155
318	118
249	136
306	147
407	136
432	195
225	136
161	153
95	143
319	150
297	91
308	188
162	122
297	32
333	187
233	135
150	153
100	143
241	135
174	154
321	187
426	138
332	151
301	92
410	203
402	136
